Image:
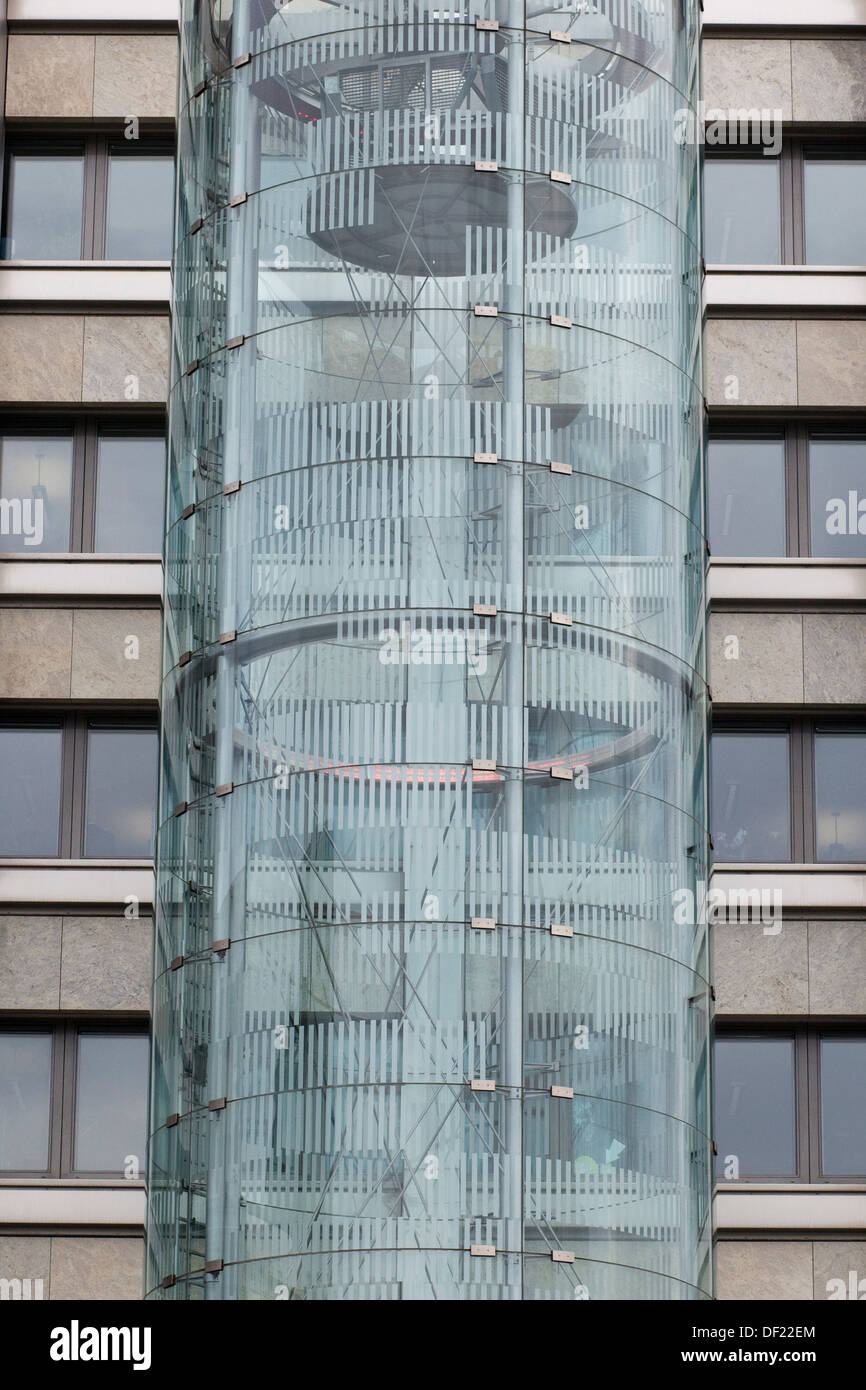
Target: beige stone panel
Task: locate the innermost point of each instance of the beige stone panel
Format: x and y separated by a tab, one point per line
41	357
135	75
831	361
30	962
125	358
97	1267
27	1257
37	648
754	973
101	670
829	79
50	75
833	653
838	1259
750	362
769	666
106	963
764	1269
837	970
747	73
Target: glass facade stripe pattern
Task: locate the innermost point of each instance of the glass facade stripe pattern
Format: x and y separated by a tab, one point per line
429	1019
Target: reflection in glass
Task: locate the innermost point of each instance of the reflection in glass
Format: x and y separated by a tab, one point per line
750	815
837	497
843	1107
755	1107
834	196
130	491
30	791
121	793
140	208
45	207
746	496
25	1100
35	494
840	809
110	1101
742	212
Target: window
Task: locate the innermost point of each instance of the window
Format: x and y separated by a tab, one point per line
792	490
74	786
73	1099
804	206
756	817
89	486
790	1103
91	198
742	211
750	783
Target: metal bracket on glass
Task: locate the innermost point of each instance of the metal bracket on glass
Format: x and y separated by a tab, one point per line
222	945
486	311
559	176
236	201
560	321
181	808
560	36
486	166
562	774
168	1282
483	764
562	1092
484	610
213	1266
177	963
185	658
191	367
483	923
218	1104
487	25
556	467
482	1085
561	619
561	929
562	1257
188	511
485	1251
235	342
226	637
229	488
172	1120
199	88
242	61
481	457
224	789
196	226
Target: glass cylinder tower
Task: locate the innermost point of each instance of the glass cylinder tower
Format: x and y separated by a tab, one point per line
431	999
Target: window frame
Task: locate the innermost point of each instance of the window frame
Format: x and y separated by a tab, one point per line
796	436
802	810
96	150
64	1033
75	727
85	431
807	1097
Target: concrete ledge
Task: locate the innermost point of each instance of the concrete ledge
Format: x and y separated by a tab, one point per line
803	886
69	11
81	576
766	13
70	1202
790	287
75	881
793	1208
794	580
91	282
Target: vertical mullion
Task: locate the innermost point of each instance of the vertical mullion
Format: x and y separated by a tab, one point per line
58	1089
77	785
67	1099
804	505
807	799
91	182
804	1058
77	540
90	449
792	197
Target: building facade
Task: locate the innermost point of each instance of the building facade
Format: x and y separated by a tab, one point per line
430	970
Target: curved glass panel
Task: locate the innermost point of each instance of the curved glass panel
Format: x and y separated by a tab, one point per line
430	999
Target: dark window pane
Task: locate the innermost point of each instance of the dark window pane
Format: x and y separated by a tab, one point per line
45	202
35	494
30	791
843	1107
746	496
140	208
750	818
25	1100
840	807
742	217
835	205
755	1107
130	486
110	1101
837	497
121	793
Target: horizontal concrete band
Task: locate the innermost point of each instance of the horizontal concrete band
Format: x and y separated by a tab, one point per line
70	1203
809	1210
81	576
86	282
73	881
786	581
803	886
750	12
786	287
